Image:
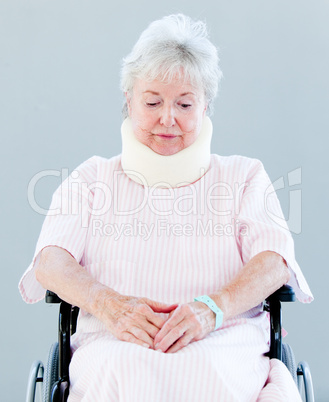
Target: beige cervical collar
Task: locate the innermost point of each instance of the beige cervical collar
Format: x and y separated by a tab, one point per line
148	168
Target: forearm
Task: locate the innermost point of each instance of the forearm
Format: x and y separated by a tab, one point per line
129	318
260	277
59	272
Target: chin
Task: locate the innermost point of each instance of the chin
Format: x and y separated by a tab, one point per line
165	151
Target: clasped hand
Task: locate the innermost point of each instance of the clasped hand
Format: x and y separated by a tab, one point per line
137	320
187	323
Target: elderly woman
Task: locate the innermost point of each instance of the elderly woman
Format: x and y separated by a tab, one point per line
167	247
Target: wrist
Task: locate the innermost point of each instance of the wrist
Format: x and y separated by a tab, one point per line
103	301
214	307
222	300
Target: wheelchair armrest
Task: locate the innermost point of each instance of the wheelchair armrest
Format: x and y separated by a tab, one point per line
52	297
273	306
67	322
285	294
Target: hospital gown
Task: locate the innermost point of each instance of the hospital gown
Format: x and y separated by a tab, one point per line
171	245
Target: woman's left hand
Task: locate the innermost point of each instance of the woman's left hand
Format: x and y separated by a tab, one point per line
187	323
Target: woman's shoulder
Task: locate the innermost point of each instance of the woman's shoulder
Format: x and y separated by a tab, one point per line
99	161
236	163
96	165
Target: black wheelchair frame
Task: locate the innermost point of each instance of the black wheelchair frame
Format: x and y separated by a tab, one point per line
56	382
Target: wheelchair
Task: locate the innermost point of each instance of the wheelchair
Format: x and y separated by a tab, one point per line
54	378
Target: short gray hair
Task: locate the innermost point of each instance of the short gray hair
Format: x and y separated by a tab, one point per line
174	45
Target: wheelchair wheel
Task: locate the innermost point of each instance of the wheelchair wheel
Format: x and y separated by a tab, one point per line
35	377
288	359
305	377
51	374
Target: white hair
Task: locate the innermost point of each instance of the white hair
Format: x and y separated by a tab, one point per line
174	46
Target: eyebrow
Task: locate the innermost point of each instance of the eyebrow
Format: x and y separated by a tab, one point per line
157	93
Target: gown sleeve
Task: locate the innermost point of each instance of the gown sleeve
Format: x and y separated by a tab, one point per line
65	225
264	228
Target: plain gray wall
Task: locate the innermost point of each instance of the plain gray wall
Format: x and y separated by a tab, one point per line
60	103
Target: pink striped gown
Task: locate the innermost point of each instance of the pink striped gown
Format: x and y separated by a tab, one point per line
170	245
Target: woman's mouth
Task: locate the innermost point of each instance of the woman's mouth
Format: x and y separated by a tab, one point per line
166	136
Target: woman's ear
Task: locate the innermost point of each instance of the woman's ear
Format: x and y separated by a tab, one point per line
205	109
128	100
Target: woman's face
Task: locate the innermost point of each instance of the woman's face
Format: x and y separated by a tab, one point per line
166	117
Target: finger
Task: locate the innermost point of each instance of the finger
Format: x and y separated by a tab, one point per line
173	335
158	307
171	323
141	334
181	343
150	328
142	320
155	319
142	314
127	337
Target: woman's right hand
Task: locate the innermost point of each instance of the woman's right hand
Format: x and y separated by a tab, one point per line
131	319
135	319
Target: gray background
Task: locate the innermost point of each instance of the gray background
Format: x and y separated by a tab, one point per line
60	103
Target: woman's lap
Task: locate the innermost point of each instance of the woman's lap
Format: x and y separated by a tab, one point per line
223	365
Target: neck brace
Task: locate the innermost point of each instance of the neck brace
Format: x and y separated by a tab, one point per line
146	167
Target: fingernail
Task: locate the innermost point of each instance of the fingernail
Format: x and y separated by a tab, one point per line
157	349
146	345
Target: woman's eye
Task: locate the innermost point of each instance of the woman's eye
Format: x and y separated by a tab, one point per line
185	105
152	104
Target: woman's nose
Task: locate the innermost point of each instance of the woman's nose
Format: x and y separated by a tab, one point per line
167	116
